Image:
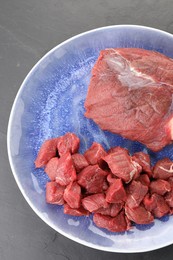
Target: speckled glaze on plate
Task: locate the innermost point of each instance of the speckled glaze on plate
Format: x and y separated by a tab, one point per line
50	103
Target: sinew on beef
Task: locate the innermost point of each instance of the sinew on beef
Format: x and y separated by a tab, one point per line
130	94
114	201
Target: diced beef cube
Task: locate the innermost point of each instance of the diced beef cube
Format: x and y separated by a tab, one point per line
116	224
160	187
115	209
65	172
136	193
149	202
121	164
72	195
144	179
94	202
170	180
75	212
68	143
79	161
143	160
92	178
51	168
163	169
116	192
139	215
112	209
54	193
169	198
46	152
95	153
161	208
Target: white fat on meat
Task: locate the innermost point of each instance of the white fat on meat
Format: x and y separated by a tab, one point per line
126	74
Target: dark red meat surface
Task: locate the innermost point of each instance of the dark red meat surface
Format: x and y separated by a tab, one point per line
143	160
160	187
92	178
95	153
94	202
65	172
116	192
111	210
114	224
46	152
161	208
72	195
136	192
130	94
54	193
139	215
79	161
75	212
144	179
121	164
51	168
68	143
163	169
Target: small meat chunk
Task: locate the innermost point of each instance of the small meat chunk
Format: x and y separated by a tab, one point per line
51	168
169	198
79	161
112	209
68	143
170	180
116	192
136	193
121	164
95	153
139	215
72	195
115	224
144	179
143	160
92	178
149	202
47	151
75	212
161	208
65	172
54	193
163	169
160	187
94	202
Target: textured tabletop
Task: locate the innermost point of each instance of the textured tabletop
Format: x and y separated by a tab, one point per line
28	29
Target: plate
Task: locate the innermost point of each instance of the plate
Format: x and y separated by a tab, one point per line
50	103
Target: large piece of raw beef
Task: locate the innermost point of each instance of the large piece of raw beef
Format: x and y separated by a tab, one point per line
130	94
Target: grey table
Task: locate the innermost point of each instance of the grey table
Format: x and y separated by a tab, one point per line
28	29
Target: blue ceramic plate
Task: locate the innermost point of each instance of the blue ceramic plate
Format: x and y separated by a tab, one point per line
50	103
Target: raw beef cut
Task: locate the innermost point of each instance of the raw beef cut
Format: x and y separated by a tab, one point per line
116	224
72	195
163	169
54	193
121	164
116	192
130	94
